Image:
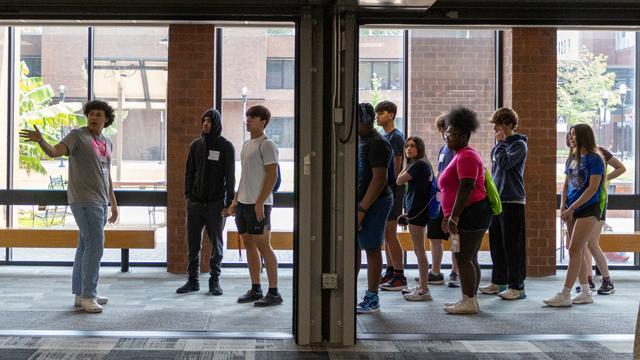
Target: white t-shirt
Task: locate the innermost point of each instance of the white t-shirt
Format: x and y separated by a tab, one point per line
255	154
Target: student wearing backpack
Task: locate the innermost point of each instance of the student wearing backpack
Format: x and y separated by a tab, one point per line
507	238
593	245
466	208
393	278
434	228
252	206
582	206
418	174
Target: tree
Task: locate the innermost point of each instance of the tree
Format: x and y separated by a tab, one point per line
35	108
581	85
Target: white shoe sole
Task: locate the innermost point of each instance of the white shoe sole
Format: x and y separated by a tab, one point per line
100	300
582	301
557	304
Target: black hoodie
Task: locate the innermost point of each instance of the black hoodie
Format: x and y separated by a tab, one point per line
507	168
210	170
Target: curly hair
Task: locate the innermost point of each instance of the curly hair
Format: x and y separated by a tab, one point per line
463	119
100	105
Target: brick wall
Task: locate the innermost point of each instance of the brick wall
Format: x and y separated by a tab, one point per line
190	92
446	70
530	88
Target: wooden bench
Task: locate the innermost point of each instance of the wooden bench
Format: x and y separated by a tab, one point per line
609	241
283	240
119	237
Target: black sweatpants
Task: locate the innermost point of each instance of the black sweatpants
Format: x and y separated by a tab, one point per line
204	216
507	243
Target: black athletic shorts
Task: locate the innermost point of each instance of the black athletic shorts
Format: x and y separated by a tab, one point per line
247	222
418	217
434	229
591	210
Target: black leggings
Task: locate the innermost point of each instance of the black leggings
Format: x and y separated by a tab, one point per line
474	222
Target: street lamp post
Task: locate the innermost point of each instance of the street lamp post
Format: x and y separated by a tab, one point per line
622	90
603	122
244	112
62	95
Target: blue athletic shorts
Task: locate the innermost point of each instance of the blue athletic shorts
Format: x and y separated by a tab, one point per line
371	236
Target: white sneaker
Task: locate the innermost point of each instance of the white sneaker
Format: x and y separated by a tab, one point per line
101	300
492	289
90	305
465	306
558	300
452	303
418	295
409	290
513	294
583	297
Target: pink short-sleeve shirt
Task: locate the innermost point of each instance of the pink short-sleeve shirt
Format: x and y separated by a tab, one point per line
466	164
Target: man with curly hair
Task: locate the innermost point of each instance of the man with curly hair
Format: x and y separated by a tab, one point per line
89	192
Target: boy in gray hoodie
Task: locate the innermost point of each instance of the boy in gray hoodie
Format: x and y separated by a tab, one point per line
507	232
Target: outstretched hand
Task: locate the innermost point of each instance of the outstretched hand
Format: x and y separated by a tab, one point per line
31	135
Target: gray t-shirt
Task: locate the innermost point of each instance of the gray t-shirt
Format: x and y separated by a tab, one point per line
255	154
89	167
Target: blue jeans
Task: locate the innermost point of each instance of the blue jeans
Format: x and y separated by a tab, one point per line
86	266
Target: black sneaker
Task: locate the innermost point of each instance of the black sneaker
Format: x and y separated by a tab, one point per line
214	286
385	277
192	285
606	288
250	296
435	279
397	283
269	300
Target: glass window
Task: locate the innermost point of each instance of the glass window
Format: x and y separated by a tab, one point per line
380	71
50	87
130	72
280	74
4	154
596	86
249	82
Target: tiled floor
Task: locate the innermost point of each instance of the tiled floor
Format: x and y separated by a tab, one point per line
38	298
54	348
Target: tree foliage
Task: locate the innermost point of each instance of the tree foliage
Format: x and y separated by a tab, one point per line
581	85
36	108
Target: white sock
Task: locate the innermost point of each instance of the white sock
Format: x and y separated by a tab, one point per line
585	288
566	291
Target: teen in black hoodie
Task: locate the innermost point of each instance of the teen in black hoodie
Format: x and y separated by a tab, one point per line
209	182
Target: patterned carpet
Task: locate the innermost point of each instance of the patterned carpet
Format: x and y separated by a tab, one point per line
54	348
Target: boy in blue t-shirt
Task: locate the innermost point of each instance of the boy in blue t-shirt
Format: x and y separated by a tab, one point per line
393	278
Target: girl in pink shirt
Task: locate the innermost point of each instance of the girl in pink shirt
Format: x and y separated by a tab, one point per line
464	202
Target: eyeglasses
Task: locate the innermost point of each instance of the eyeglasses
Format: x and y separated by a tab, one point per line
406	146
452	135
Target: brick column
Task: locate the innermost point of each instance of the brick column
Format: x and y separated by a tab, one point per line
529	76
189	93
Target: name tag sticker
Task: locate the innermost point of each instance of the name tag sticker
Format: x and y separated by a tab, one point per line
441	158
214	155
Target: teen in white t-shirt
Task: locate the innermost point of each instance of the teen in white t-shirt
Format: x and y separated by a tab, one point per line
252	206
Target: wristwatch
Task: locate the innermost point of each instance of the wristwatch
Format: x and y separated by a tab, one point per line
361	209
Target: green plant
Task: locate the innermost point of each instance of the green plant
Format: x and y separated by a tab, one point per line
581	85
35	108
